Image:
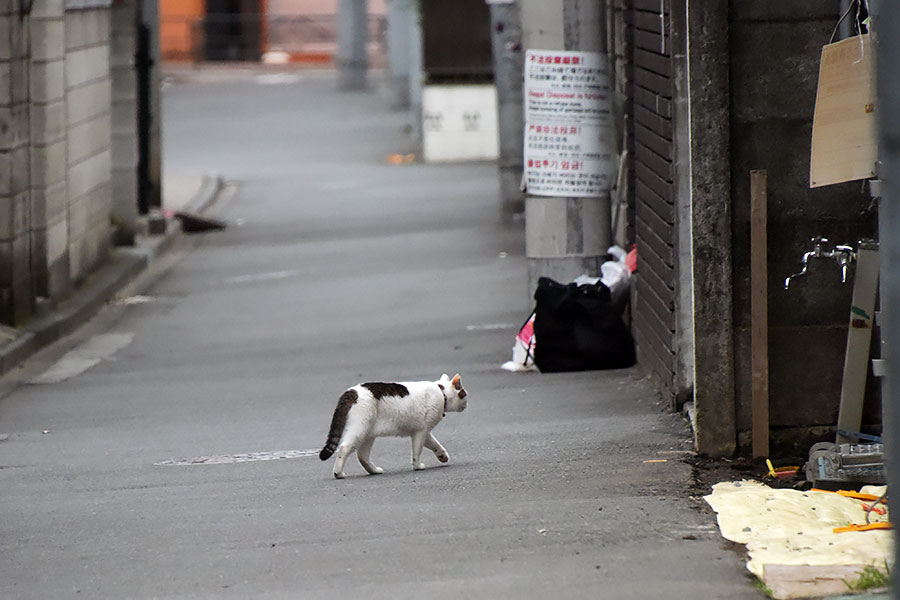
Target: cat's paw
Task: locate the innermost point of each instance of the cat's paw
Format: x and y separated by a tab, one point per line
418	467
376	471
338	475
443	456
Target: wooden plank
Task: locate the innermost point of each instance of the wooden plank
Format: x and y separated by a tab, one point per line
807	581
844	137
759	315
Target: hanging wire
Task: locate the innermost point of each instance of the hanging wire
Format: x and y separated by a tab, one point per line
844	16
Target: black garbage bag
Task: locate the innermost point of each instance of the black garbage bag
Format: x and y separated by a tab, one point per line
577	328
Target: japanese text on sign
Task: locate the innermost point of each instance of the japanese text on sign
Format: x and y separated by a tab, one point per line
567	118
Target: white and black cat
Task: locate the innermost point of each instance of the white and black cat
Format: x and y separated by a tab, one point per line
370	410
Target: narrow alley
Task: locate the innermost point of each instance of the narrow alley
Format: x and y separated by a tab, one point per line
183	463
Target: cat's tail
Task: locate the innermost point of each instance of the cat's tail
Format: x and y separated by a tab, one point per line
338	422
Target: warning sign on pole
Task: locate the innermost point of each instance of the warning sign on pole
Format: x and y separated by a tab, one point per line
568	127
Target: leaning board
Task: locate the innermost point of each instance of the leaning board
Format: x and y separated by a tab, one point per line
844	138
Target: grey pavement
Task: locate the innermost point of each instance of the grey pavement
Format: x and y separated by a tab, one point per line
337	267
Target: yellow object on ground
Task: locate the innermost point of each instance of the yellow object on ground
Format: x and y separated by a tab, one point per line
789	527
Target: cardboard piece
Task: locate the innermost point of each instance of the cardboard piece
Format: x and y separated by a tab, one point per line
844	137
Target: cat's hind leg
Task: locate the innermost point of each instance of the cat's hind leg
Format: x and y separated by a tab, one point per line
435	446
349	443
418	440
363	455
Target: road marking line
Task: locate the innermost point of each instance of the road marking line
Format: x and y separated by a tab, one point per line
224	459
270	276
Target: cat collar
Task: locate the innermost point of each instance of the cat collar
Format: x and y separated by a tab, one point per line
445	398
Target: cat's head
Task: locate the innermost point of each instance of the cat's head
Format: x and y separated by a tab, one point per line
454	392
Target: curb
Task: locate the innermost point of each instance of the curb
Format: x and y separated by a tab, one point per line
123	267
210	187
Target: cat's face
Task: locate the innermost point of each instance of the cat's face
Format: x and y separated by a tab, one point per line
455	392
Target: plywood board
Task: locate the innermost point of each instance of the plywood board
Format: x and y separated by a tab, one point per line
844	137
805	581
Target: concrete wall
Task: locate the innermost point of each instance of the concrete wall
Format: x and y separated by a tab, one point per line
774	55
55	152
16	222
88	156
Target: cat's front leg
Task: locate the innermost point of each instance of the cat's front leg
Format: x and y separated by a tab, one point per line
418	440
435	446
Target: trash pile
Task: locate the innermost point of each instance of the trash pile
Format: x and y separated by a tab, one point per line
806	543
579	324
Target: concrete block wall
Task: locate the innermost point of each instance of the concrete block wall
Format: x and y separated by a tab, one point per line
774	55
15	196
55	151
50	232
89	135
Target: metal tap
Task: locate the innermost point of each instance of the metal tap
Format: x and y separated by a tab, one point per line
843	254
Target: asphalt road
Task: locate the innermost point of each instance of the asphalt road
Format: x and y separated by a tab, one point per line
337	267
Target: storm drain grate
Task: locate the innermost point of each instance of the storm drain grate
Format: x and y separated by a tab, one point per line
224	459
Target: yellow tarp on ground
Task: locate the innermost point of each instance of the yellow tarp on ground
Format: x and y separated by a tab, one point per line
789	527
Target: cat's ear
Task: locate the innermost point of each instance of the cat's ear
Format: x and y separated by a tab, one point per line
444	377
457	383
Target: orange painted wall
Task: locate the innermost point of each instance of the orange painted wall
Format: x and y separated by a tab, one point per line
177	32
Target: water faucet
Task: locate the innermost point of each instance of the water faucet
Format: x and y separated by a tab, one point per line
843	254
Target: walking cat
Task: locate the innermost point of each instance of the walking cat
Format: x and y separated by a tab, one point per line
370	410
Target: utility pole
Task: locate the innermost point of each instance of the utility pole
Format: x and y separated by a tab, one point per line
352	37
567	235
886	19
400	15
509	56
